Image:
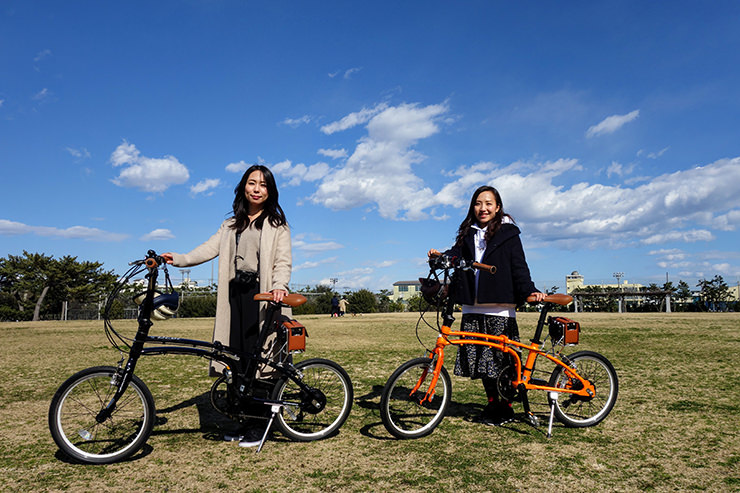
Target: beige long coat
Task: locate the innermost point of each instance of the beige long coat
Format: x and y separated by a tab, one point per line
274	271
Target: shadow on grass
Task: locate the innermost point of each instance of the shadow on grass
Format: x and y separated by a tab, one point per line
466	411
212	424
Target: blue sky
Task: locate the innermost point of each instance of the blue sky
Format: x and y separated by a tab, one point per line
611	130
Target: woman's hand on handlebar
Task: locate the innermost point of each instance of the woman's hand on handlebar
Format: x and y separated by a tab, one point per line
167	257
278	295
433	253
538	297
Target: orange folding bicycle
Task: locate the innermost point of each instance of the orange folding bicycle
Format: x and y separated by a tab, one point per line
581	390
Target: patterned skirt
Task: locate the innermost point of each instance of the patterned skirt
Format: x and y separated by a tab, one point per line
479	361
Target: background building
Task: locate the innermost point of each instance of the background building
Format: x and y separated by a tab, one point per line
403	290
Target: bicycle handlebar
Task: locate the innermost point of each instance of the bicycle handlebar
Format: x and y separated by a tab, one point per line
557	298
442	261
292	299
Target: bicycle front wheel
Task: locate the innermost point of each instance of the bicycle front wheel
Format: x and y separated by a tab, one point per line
405	412
77	403
319	413
576	411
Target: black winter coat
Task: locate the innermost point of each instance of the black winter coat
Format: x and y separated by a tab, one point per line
510	284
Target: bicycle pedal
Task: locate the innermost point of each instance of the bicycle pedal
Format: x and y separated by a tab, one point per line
533	420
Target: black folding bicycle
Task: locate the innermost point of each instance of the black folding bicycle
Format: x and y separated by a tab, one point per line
106	414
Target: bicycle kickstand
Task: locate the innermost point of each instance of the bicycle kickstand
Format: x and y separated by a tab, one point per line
274	409
553	397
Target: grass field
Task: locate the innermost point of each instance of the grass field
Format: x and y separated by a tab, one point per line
675	427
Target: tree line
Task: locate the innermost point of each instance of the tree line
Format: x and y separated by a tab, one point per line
34	286
713	295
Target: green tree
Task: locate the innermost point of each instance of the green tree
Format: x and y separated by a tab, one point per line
198	305
384	300
653	302
417	304
39	284
714	293
683	292
319	300
362	301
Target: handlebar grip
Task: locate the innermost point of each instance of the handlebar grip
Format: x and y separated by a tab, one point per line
491	269
557	298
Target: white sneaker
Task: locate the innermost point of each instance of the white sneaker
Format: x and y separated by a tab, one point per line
249	443
233	438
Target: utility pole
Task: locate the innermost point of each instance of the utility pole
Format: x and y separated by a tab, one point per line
619	276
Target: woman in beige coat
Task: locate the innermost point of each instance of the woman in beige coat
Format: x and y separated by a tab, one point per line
254	253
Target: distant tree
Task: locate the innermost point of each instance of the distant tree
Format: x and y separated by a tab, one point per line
417	303
362	301
683	291
39	284
200	305
396	306
322	302
714	293
319	300
552	290
384	300
653	302
599	299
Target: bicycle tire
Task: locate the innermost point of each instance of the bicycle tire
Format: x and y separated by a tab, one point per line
305	418
79	400
576	411
402	413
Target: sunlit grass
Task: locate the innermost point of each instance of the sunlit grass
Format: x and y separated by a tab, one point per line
674	426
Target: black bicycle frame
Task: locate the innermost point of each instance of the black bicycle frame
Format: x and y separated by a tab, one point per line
211	350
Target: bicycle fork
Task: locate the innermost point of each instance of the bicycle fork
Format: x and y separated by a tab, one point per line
438	363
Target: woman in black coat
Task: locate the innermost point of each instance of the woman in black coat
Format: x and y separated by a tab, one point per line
489	235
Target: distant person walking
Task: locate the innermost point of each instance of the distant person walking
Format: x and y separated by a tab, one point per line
334	306
343	306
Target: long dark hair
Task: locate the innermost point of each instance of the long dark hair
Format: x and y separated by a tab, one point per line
272	210
493	226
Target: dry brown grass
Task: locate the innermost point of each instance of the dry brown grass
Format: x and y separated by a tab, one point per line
674	428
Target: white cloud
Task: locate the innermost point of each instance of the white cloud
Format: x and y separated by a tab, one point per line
12	228
727	222
317	247
689	236
619	169
333	153
611	124
78	153
158	234
296	122
299	173
681	207
239	167
41	95
147	174
677	207
379	171
350	72
314	264
204	186
353	119
41	55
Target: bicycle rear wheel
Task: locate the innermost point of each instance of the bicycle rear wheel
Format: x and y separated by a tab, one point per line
78	401
402	411
577	411
319	413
